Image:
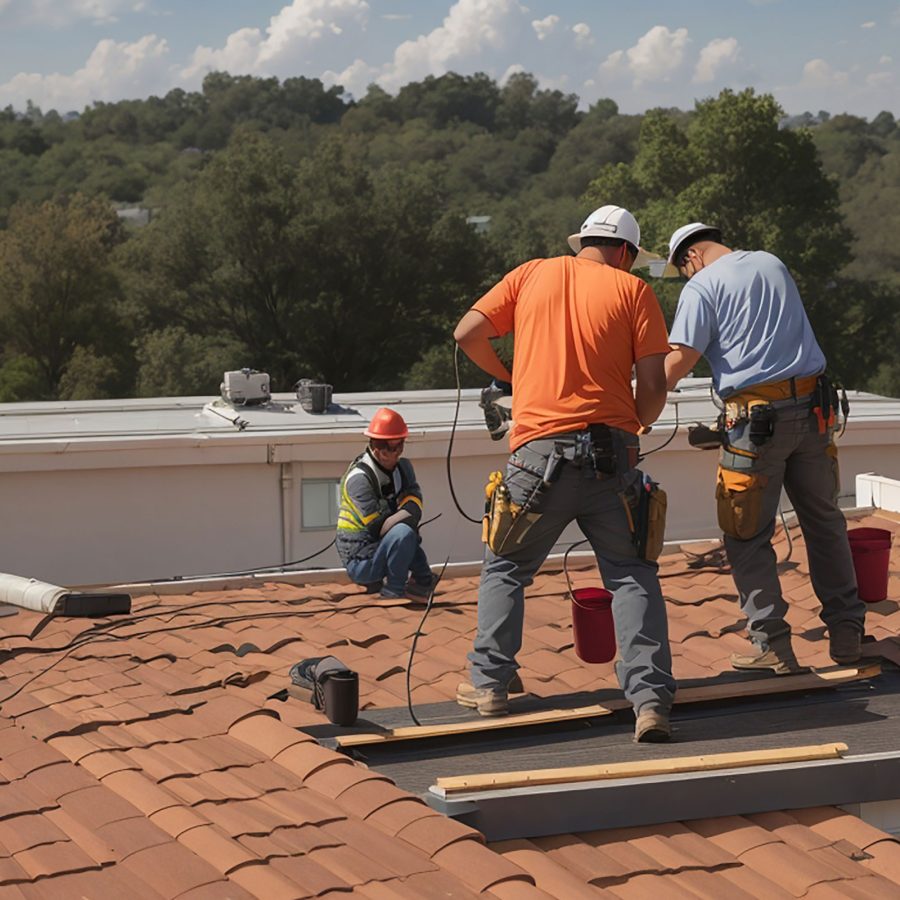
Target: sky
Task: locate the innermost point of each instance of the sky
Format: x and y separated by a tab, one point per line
811	54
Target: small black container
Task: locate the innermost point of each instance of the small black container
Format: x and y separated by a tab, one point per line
313	397
341	693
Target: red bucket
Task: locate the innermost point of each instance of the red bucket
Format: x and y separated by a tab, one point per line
592	625
871	549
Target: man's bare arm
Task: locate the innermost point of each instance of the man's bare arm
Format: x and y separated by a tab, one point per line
650	391
473	334
679	361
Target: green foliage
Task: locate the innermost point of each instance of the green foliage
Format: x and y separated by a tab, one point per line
175	363
297	229
57	286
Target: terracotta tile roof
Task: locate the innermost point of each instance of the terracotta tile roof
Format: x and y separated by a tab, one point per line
147	756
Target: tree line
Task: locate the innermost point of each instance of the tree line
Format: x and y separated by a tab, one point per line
296	230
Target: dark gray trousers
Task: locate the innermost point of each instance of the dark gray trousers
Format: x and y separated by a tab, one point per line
804	462
644	668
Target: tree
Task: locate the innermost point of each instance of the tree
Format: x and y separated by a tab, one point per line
57	286
733	166
326	270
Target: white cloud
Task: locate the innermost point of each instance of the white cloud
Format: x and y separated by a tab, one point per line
867	25
58	13
880	79
716	55
355	78
514	69
582	32
396	17
286	42
471	30
113	71
545	27
818	73
885	60
655	57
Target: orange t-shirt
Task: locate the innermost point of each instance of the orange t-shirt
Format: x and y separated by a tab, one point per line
579	328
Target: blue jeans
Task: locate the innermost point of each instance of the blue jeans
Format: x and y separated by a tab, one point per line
399	552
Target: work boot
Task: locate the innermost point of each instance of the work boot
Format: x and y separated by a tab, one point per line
778	658
652	727
845	643
373	587
487	701
515	686
421	589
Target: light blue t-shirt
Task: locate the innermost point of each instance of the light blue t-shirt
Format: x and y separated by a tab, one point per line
743	312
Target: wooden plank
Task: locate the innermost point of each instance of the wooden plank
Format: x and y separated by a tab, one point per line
735	690
470	726
455	784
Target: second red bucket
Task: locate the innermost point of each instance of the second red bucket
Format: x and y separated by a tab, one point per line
592	625
871	550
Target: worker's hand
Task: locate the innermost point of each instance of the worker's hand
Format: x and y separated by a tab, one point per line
645	429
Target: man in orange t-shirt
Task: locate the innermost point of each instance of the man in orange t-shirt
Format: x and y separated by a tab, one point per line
581	325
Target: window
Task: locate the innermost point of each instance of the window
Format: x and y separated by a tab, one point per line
319	502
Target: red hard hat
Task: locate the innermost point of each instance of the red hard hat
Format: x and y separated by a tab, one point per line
387	425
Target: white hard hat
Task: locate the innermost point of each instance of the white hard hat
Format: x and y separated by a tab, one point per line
610	222
680	235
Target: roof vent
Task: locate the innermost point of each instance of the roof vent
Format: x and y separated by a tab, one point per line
246	387
313	397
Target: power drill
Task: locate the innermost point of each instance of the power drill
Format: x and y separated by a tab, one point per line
497	417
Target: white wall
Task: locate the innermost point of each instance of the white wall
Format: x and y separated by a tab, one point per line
109	514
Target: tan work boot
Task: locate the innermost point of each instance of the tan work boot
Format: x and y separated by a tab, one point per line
652	727
488	702
845	643
779	660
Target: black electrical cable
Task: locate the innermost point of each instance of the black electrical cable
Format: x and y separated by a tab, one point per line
412	650
666	442
566	563
282	567
459	508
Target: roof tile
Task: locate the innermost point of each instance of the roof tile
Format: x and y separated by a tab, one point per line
127	836
176	820
27	831
171	869
141	791
52	859
304	871
557	880
213	845
97	806
433	833
304	759
332	781
397	857
394	817
478	866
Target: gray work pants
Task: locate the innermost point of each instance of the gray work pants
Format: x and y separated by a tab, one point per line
644	668
804	462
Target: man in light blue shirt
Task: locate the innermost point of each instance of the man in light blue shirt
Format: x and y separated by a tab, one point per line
742	311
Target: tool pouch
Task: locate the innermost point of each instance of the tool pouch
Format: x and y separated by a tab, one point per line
646	505
739	498
505	523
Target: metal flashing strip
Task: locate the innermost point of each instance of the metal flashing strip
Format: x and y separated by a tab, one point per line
655	799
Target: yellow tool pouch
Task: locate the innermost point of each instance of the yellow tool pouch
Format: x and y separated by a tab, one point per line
739	498
505	523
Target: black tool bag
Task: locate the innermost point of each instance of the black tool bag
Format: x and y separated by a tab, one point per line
333	687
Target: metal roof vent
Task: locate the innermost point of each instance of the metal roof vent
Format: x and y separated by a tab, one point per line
313	397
